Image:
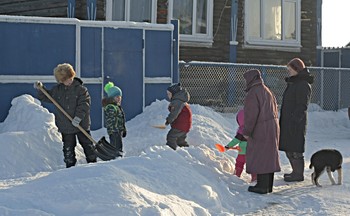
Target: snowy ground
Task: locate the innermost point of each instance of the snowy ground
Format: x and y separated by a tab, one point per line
152	179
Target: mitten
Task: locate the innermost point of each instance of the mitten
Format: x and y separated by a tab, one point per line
76	121
166	122
124	133
38	84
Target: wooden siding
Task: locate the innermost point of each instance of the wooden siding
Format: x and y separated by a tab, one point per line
48	8
308	51
219	52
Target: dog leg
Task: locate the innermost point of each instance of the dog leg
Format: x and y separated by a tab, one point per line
317	175
340	176
330	176
313	178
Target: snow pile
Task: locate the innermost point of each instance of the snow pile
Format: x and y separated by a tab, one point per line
152	179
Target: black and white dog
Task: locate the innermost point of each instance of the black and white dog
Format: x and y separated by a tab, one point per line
329	160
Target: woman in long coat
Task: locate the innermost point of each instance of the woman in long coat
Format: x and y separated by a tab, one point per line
293	118
262	132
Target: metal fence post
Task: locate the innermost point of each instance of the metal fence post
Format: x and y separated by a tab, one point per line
322	89
339	89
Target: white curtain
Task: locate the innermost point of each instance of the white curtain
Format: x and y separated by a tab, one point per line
201	16
290	20
253	19
272	19
183	11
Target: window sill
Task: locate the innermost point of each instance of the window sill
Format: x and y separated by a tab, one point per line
192	41
195	44
283	48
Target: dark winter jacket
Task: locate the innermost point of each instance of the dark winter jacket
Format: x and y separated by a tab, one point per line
180	116
114	117
75	100
261	126
293	117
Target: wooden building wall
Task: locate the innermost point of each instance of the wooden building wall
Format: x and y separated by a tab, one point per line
49	8
219	52
307	52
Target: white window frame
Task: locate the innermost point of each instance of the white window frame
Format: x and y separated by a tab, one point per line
296	43
196	38
109	12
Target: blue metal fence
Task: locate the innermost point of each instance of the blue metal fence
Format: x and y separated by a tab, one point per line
137	57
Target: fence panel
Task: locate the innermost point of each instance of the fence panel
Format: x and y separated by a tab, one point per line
221	85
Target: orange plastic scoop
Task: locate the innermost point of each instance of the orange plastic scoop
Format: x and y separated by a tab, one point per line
222	148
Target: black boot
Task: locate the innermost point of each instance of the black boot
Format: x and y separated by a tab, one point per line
298	171
287	175
262	185
271	176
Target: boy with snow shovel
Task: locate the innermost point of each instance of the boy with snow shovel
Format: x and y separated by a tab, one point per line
74	98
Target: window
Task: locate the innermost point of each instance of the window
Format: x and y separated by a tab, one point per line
195	17
272	22
131	10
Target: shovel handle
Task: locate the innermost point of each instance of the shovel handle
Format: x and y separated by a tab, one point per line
159	126
41	88
222	148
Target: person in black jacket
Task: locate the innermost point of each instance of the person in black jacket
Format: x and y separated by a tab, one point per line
293	117
74	98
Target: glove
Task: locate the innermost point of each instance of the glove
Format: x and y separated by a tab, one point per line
227	147
38	84
124	133
76	121
166	122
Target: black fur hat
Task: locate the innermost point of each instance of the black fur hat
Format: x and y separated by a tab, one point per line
175	88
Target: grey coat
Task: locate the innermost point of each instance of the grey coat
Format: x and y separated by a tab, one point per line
178	101
261	125
293	118
75	100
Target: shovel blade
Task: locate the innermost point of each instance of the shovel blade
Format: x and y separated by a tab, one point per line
220	147
105	150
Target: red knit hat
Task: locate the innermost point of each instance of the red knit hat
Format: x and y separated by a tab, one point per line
296	64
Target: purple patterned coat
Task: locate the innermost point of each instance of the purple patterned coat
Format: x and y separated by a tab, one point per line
261	126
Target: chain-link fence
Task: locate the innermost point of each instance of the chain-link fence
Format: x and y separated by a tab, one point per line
221	85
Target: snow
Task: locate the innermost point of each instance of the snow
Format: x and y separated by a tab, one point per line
152	179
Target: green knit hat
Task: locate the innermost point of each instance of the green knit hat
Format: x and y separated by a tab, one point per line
112	90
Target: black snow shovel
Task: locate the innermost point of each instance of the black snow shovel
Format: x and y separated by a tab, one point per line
103	149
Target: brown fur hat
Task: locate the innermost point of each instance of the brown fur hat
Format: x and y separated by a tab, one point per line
63	72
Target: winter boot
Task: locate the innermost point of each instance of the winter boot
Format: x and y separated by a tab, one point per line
183	144
298	171
287	175
271	176
262	185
